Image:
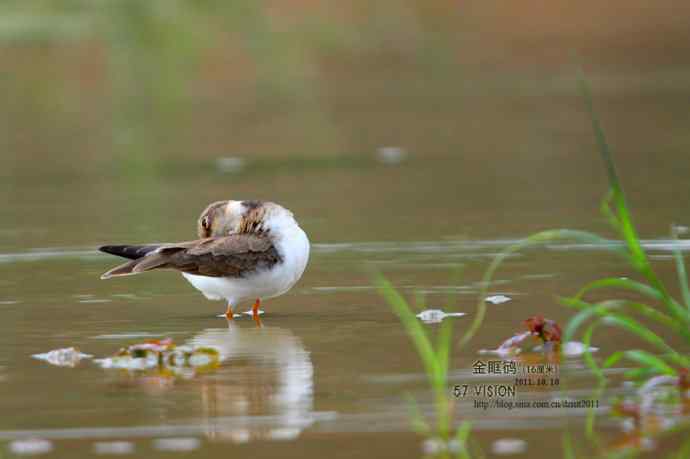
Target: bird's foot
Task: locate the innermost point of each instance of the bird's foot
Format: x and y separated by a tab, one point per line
228	316
250	312
256	312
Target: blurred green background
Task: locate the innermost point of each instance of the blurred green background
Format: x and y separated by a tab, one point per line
126	101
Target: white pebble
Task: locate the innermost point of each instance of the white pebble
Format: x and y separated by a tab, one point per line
230	164
508	446
433	316
67	357
176	444
391	155
498	299
31	446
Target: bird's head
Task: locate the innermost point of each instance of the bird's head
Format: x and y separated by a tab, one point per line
225	217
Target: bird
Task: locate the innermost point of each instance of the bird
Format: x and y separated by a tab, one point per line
246	250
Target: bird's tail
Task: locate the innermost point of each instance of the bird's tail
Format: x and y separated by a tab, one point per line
129	251
125	269
134	253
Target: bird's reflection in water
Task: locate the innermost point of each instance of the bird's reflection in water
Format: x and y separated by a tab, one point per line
263	387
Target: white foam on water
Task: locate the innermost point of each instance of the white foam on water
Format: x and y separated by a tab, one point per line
31	446
508	446
66	357
434	316
176	444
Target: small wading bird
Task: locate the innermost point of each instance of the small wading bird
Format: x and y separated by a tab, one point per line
246	250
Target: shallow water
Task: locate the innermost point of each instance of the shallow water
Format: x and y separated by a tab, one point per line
329	371
439	171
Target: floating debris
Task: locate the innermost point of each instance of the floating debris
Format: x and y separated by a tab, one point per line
571	348
657	381
176	444
230	164
679	229
67	357
162	355
391	155
508	446
509	347
546	329
31	446
497	299
113	447
543	329
436	446
434	316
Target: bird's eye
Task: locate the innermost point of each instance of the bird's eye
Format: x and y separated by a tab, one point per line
205	223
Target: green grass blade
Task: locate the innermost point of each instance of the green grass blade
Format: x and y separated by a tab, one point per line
617	195
682	278
677	311
443	345
569	451
445	334
625	224
542	237
419	424
680	270
605	209
647	335
587	311
650	361
462	437
639	373
603	308
414	328
587	356
613	359
623	283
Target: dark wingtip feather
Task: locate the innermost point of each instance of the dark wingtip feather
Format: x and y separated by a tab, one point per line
131	252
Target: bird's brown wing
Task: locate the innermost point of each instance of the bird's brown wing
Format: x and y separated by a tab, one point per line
230	256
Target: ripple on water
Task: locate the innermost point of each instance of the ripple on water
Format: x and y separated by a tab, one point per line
113	447
177	444
478	246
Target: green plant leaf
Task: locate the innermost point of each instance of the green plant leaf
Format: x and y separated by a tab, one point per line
603	308
650	361
587	356
647	335
537	239
412	326
680	270
620	282
569	451
462	437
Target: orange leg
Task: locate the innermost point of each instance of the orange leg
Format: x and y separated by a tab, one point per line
228	313
255	311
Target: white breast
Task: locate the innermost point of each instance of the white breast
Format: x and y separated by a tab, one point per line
293	246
